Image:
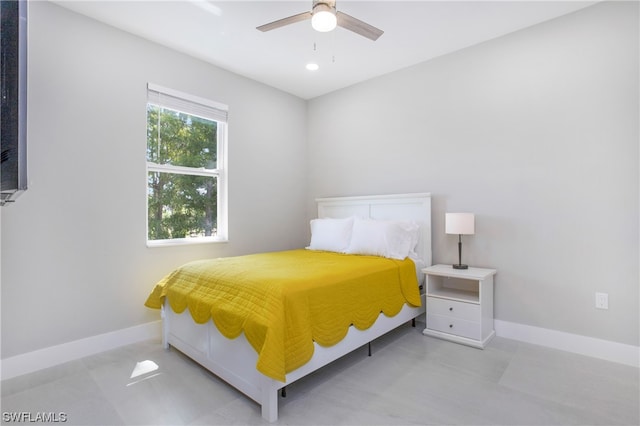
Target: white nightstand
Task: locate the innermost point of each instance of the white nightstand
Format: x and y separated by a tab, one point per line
460	304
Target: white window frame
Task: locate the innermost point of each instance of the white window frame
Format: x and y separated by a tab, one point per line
205	108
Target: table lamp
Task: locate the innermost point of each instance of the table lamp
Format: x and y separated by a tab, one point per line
461	224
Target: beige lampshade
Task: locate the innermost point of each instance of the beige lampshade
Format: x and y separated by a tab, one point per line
460	223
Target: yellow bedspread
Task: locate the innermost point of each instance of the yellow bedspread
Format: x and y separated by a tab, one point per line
284	301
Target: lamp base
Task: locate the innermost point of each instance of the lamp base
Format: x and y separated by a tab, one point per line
460	266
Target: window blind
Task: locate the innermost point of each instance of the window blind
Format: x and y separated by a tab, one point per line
184	102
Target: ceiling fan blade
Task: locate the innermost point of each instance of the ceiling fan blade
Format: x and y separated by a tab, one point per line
357	26
284	21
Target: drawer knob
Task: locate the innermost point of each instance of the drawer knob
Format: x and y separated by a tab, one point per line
451	309
450	325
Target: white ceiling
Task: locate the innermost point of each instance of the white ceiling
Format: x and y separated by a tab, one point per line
224	34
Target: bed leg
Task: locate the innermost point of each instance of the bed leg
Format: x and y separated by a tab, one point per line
413	322
283	392
269	401
369	345
165	327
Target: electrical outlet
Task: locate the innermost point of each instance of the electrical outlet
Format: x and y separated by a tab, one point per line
602	300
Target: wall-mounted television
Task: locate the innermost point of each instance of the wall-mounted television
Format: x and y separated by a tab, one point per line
13	112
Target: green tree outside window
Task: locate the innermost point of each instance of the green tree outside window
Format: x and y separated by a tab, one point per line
182	174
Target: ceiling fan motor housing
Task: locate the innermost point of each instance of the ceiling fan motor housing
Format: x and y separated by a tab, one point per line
330	3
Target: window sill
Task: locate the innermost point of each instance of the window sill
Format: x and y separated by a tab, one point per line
185	241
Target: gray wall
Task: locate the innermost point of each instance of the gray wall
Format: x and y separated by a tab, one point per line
537	134
74	259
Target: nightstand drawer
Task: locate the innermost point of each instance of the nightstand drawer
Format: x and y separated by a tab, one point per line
459	327
454	309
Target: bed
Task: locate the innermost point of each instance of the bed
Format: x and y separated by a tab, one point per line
260	346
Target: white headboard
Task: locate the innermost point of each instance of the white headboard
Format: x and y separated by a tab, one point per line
410	207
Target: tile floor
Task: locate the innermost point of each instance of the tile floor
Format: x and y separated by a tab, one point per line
411	379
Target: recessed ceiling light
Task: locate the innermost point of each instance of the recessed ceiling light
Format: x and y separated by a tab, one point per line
312	67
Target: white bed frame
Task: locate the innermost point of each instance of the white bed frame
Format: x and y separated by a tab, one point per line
234	360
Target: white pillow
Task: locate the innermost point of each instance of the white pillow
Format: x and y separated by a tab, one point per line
331	234
386	238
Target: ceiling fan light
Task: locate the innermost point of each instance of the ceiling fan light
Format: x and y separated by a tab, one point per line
324	18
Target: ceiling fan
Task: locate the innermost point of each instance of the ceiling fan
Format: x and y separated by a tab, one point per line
324	17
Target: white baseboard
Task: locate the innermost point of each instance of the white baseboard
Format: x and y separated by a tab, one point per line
55	355
583	345
59	354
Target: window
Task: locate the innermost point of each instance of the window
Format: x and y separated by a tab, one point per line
186	170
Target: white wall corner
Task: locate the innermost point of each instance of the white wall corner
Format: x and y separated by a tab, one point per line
59	354
583	345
